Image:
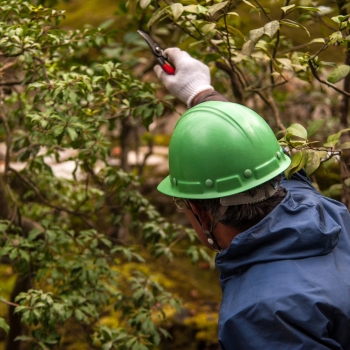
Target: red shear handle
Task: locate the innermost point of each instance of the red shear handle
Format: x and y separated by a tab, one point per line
167	68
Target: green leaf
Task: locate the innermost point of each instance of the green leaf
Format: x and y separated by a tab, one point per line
191	8
339	19
328	162
232	14
338	73
313	161
287	9
317	40
177	10
73	97
345	145
297	130
256	34
72	133
297	163
202	9
157	16
208	28
294	24
24	338
290	23
217	7
165	333
309	8
108	67
305	29
251	5
234	31
33	234
196	43
106	24
248	47
4	325
347	182
144	3
109	89
332	140
314	127
335	190
58	130
271	28
336	38
159	109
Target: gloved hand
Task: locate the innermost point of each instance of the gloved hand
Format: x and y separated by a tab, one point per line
191	76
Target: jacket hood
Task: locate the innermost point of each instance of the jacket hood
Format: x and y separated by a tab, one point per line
301	226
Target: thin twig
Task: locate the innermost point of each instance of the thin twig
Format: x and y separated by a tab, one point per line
11	83
8	302
263	10
8	143
86	193
7	65
44	69
294	48
314	73
16	209
319	17
267	86
271	103
274	53
7	165
178	239
324	47
227	36
28	182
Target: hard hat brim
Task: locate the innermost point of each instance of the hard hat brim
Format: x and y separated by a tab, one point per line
168	187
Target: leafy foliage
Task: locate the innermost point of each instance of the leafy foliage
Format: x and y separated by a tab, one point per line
63	235
73	90
281	46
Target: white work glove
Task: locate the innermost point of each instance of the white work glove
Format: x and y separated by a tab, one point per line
191	76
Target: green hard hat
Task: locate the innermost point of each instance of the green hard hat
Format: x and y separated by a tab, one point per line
220	149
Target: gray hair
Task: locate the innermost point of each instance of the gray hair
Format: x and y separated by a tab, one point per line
244	216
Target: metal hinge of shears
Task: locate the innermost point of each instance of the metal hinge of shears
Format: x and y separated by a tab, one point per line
158	53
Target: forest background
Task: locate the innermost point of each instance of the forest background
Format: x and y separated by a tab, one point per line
92	257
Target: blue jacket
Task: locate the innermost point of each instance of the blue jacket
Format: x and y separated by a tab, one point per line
286	281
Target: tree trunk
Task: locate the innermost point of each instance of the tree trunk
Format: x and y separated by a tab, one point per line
23	282
22	285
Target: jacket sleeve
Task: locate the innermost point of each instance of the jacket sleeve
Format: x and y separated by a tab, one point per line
211	95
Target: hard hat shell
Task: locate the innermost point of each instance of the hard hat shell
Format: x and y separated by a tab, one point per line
219	149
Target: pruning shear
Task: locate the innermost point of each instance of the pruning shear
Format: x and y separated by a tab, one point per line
158	53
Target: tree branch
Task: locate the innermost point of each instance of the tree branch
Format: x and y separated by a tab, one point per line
28	183
237	91
42	63
314	73
263	10
262	88
271	103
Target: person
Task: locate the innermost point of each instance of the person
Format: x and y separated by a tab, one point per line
283	248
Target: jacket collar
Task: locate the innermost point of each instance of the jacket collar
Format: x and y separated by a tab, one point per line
299	227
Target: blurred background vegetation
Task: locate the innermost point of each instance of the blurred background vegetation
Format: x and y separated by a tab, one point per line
93	257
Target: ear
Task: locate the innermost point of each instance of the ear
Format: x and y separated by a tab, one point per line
202	215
